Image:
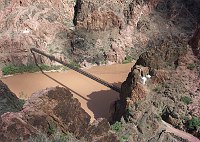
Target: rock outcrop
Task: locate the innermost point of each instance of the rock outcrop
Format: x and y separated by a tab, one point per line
155	62
49	111
8	100
144	106
165	56
112	30
34	23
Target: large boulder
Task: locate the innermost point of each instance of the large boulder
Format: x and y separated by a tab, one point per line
8	100
49	111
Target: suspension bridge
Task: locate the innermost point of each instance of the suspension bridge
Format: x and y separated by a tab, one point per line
53	58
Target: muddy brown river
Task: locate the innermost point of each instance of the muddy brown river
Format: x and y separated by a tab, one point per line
94	97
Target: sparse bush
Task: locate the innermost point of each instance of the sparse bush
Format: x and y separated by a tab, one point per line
116	126
128	59
187	100
21	103
22	95
191	66
158	117
194	123
124	138
11	69
72	63
51	129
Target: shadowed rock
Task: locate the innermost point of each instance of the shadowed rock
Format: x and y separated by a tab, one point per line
8	100
49	111
164	56
143	106
195	42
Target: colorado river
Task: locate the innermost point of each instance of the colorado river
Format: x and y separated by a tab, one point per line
94	97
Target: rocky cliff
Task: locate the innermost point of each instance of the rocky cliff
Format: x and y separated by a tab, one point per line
8	100
115	30
170	93
40	24
50	111
98	31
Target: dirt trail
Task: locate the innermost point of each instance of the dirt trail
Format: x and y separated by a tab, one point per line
94	97
182	134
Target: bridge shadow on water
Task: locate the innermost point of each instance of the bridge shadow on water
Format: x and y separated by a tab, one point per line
100	102
61	84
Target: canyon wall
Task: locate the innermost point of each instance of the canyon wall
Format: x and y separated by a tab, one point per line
39	24
116	30
91	31
170	93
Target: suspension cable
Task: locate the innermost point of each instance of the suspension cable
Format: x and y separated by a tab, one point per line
53	58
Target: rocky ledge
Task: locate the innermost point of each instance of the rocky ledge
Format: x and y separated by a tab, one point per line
161	89
50	111
8	100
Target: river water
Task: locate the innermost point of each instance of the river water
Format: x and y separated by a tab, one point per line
94	97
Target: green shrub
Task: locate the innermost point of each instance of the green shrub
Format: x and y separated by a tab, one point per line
11	69
124	138
194	123
72	63
128	59
21	103
51	129
191	66
116	126
187	100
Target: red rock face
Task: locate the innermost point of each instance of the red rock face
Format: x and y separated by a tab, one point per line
113	24
99	31
110	30
51	110
25	24
14	128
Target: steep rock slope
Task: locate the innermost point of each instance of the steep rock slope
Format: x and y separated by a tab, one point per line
8	100
115	30
170	95
28	23
49	111
91	31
